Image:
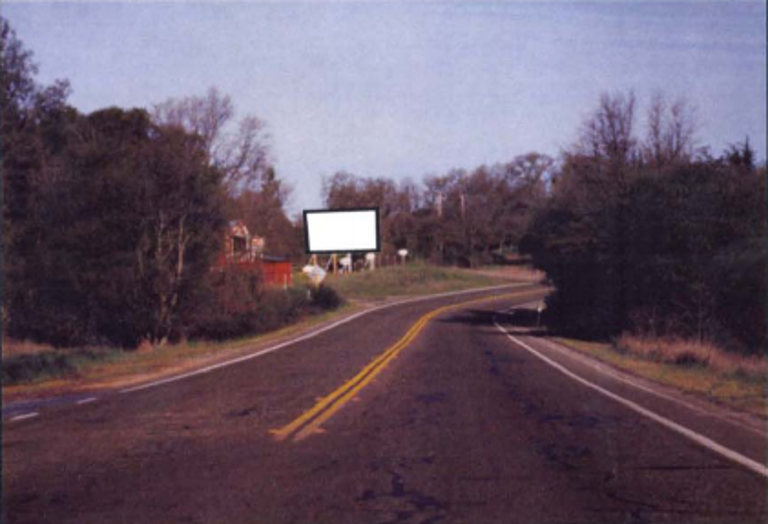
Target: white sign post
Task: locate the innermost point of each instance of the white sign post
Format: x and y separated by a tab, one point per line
370	259
315	273
539	309
403	253
346	263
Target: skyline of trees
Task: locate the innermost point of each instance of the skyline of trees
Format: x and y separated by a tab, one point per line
642	234
112	219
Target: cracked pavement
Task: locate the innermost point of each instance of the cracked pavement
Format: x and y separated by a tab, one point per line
462	427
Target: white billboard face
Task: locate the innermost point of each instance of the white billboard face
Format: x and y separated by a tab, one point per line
342	230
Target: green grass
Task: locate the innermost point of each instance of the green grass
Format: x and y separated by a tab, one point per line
414	278
746	393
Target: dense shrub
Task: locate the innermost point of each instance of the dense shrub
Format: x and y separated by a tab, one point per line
326	297
236	303
117	238
677	255
29	367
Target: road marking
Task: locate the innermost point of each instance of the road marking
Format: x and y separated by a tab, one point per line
87	400
307	336
311	420
674	426
608	370
24	416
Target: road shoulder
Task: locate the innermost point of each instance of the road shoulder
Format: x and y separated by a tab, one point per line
712	422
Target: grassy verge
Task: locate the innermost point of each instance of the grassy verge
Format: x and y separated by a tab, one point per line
71	370
712	374
34	370
414	278
43	365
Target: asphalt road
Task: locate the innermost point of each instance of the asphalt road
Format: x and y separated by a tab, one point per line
459	422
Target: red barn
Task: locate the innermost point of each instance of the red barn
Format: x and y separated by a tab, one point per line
277	271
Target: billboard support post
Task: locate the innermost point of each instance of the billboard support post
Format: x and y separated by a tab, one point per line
370	261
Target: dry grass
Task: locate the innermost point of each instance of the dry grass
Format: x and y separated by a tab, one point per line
691	352
12	348
727	379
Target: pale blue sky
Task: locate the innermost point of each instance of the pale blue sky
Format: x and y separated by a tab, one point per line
405	89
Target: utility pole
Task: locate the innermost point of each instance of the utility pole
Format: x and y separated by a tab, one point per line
440	242
467	244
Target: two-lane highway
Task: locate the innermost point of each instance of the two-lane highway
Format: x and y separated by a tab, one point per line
452	422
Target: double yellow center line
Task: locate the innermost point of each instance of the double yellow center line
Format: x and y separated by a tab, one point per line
311	420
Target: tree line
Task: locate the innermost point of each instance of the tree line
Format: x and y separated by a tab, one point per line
649	234
640	232
463	218
111	220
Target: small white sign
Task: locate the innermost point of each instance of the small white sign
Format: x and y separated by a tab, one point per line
315	273
403	253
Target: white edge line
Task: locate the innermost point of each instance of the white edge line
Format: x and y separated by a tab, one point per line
312	334
607	370
24	416
87	400
690	434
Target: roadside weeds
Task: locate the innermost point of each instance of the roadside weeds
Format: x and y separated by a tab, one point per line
691	352
112	368
695	369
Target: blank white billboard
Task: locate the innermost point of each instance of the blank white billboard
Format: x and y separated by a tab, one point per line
341	230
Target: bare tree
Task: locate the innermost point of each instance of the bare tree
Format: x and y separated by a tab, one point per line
532	167
655	146
609	132
204	116
671	131
607	147
245	156
239	150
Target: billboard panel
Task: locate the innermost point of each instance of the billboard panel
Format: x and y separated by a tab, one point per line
341	230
